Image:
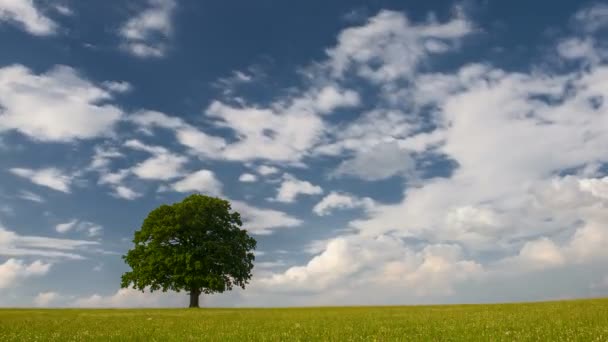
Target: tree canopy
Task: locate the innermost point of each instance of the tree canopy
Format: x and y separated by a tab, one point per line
196	245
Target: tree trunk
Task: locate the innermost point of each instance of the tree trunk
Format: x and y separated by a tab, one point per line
194	294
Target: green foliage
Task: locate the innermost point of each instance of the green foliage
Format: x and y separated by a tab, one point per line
196	245
585	320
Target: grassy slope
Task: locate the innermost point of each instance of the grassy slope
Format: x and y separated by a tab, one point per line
582	320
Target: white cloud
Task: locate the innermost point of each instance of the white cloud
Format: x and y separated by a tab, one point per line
89	228
188	135
117	87
372	128
592	18
493	116
146	34
575	48
439	268
94	231
255	220
63	10
337	200
263	221
138	145
49	177
376	263
502	195
114	178
66	227
584	246
124	192
58	105
202	181
30	196
103	157
389	46
14	270
28	16
330	98
542	251
285	133
164	165
151	118
160	167
13	244
287	128
266	170
248	178
44	299
321	271
378	162
292	187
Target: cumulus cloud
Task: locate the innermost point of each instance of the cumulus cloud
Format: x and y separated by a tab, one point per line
507	204
14	270
45	299
503	193
59	105
27	15
291	188
248	178
337	200
377	262
146	34
49	177
285	134
293	125
161	167
202	181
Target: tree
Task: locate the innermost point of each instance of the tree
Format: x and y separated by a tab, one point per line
195	245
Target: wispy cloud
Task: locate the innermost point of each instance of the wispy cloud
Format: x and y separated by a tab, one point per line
49	177
27	15
146	34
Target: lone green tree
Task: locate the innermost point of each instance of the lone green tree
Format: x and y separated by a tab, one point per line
196	245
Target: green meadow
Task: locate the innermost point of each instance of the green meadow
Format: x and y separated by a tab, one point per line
579	320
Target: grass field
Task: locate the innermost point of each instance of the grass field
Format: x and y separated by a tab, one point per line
581	320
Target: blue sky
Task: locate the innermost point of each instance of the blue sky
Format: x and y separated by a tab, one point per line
381	152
